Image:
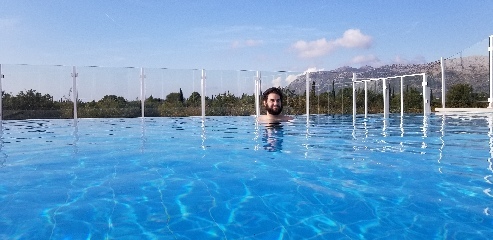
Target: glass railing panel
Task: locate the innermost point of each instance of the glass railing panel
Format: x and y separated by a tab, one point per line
230	93
467	77
359	90
37	92
172	92
108	92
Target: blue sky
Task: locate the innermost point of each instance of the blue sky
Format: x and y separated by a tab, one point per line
233	35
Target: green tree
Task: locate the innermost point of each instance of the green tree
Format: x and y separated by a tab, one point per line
29	100
460	96
194	100
174	99
413	100
112	101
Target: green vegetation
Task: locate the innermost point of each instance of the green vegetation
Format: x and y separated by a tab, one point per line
31	104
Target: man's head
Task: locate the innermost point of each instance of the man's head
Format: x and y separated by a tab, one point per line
272	99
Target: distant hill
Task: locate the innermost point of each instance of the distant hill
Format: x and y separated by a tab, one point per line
473	70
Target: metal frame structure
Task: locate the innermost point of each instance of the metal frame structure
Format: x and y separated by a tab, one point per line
386	97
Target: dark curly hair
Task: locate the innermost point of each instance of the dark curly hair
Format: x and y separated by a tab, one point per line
275	90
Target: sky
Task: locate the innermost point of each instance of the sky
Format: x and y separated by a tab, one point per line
239	35
232	34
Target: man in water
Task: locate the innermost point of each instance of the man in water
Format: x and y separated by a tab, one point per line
272	100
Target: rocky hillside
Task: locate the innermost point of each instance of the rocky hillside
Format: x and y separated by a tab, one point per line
473	70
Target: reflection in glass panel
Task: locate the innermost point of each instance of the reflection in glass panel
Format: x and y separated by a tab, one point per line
36	92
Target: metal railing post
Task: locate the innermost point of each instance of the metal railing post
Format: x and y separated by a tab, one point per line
385	99
75	94
258	85
426	96
142	91
366	99
444	89
307	94
354	96
402	96
202	92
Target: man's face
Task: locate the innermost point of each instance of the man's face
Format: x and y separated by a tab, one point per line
273	104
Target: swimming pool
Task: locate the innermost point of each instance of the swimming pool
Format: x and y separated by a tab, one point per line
229	178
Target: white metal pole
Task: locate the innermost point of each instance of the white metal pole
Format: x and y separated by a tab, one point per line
307	94
402	96
366	99
142	91
385	99
354	96
258	89
490	49
75	92
426	96
202	90
256	96
444	89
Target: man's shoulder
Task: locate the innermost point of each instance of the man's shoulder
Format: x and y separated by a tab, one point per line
270	119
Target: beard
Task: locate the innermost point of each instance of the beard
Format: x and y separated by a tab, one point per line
274	111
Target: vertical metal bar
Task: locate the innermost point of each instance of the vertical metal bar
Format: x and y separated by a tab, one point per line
444	89
366	99
426	96
202	92
307	94
75	94
142	91
402	96
354	96
258	84
385	99
256	96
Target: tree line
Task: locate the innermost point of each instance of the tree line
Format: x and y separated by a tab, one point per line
34	105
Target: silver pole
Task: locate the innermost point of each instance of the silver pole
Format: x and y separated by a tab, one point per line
75	92
202	90
444	89
142	91
385	98
426	96
402	96
366	99
307	94
258	85
354	96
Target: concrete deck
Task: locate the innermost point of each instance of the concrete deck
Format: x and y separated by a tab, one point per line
463	110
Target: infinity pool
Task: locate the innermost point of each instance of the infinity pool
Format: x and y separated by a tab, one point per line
232	178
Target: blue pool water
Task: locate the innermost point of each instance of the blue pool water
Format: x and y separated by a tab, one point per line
230	178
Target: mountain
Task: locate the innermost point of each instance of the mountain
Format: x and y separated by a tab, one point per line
473	70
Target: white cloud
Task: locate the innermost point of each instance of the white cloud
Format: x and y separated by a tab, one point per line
400	60
352	38
246	43
313	69
277	82
370	60
290	78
